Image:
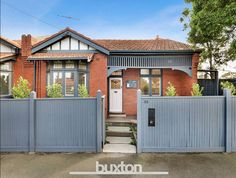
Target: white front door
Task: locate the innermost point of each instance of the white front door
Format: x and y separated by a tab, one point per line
115	86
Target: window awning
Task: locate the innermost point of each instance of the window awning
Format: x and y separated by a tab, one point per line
61	56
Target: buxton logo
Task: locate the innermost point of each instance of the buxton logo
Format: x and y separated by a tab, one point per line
119	169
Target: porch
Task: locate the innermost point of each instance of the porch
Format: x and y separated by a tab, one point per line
149	72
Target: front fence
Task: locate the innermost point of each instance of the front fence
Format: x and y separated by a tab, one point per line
52	125
233	106
187	124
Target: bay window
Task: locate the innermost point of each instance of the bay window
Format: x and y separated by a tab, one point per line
5	78
69	74
150	82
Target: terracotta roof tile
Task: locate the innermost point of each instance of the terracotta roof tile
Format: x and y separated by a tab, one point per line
14	43
61	55
123	45
144	45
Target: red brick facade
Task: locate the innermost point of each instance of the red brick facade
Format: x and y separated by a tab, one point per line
98	74
130	95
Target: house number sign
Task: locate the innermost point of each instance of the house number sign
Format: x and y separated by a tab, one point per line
131	84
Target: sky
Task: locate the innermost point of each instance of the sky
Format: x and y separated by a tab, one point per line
116	19
97	19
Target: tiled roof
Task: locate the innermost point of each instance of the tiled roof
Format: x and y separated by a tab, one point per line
157	44
55	56
14	43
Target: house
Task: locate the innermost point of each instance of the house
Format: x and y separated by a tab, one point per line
116	67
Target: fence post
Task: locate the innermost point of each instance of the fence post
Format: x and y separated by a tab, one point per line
139	124
31	122
99	120
228	120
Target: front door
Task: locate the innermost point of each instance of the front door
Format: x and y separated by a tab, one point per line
115	86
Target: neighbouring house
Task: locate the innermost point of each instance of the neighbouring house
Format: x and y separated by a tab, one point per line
117	67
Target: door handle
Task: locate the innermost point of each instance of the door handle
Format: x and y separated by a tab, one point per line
115	91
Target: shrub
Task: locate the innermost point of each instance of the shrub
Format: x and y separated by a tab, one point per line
21	90
83	92
170	90
54	91
196	90
230	86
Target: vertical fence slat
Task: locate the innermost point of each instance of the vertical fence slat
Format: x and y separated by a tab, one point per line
228	121
99	120
32	122
139	122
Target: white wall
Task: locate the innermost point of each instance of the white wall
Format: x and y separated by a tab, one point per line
6	49
67	44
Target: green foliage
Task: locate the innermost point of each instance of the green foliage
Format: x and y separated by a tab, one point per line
82	90
196	90
54	91
230	86
21	90
212	27
170	90
229	75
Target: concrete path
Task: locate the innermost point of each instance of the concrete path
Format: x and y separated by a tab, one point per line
213	165
119	148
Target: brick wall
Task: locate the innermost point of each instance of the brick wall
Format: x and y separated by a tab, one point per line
130	95
41	79
98	75
181	81
21	66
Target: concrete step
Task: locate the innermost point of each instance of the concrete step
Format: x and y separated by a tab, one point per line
115	115
117	121
119	140
119	148
117	131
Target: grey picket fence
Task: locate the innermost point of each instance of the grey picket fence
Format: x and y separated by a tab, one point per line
52	125
187	124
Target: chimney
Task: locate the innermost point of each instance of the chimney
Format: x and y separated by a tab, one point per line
26	45
157	37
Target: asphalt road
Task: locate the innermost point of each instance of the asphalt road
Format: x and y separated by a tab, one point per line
198	165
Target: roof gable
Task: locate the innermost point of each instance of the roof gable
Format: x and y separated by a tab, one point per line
8	43
66	34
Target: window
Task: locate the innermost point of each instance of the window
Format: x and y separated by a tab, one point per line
69	74
5	78
69	83
150	81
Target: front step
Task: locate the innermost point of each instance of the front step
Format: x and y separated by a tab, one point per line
126	122
117	115
118	131
119	140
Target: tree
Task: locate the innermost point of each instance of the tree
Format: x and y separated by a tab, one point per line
54	91
230	86
196	90
83	92
170	90
21	90
212	27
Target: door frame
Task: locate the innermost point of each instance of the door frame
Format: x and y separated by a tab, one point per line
109	92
